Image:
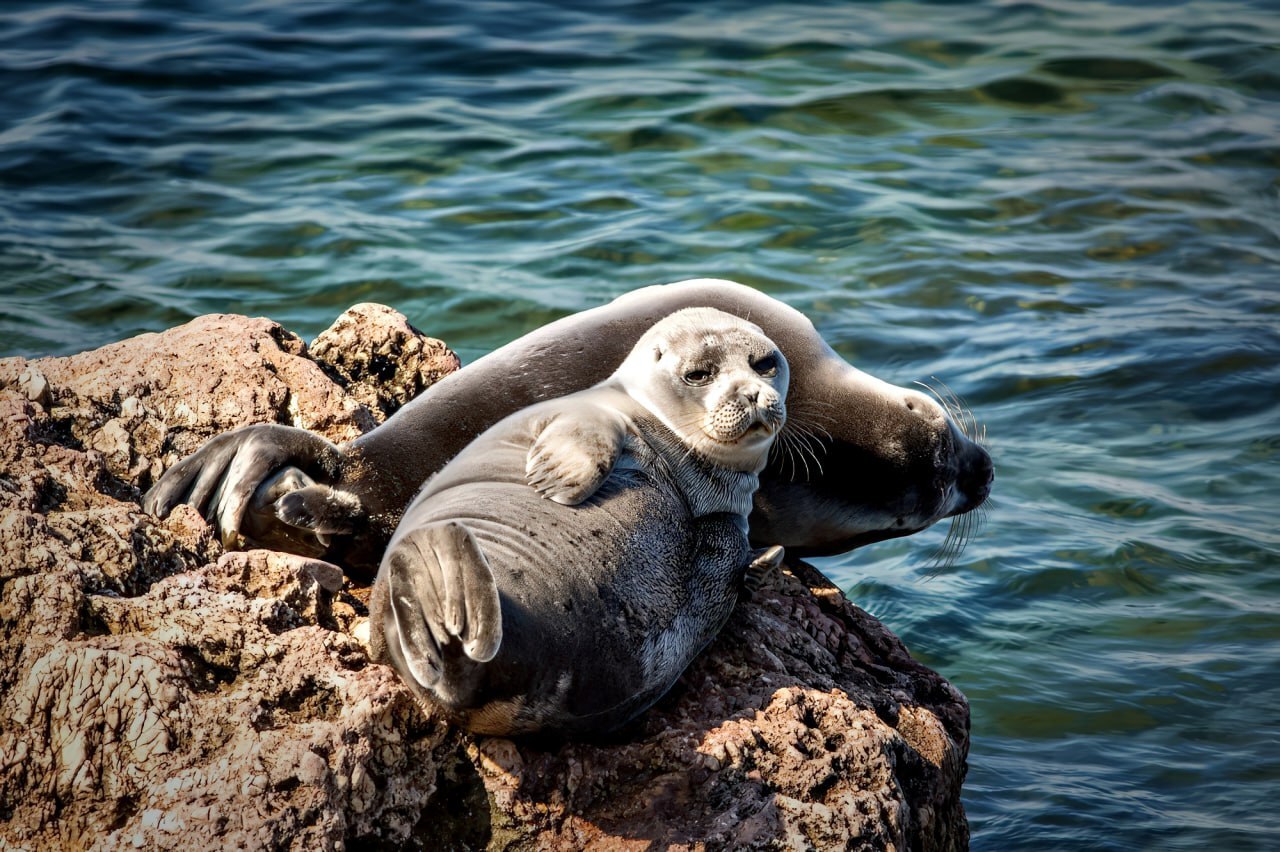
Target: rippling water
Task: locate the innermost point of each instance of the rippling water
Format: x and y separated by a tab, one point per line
1068	211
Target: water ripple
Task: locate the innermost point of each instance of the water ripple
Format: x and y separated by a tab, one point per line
1066	210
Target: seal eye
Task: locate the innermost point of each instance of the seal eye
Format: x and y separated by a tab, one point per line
697	377
767	366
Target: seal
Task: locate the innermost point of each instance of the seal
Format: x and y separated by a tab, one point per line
564	569
860	460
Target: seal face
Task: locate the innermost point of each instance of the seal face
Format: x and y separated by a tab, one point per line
860	460
721	404
564	569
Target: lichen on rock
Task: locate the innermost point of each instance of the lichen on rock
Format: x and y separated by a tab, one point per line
156	691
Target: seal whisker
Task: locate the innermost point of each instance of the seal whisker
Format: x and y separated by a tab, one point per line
797	451
805	442
815	427
983	512
818	403
798	457
944	559
794	448
946	405
949	406
956	403
781	452
810	410
964	412
800	420
958	535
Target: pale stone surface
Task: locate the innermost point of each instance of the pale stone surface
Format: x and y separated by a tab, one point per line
156	692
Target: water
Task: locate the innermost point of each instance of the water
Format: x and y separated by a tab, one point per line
1066	210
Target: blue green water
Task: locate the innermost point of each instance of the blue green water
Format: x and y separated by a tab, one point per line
1068	211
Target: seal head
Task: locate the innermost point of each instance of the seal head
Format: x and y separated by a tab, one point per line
714	381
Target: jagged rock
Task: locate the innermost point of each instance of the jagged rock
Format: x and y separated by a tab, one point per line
147	402
380	358
156	692
805	725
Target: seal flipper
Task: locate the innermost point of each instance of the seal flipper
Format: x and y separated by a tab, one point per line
222	478
573	453
307	505
440	589
763	563
320	513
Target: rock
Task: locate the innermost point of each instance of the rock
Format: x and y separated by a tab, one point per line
380	359
155	691
34	385
144	403
806	724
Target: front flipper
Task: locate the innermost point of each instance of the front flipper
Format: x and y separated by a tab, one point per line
574	452
311	514
222	478
305	504
440	590
763	564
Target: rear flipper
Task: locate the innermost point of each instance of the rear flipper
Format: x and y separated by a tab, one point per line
440	590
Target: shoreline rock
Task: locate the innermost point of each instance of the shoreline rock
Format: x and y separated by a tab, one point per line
155	690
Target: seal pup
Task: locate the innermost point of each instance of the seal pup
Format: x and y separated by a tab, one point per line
859	461
566	567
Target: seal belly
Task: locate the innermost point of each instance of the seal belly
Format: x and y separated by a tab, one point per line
624	592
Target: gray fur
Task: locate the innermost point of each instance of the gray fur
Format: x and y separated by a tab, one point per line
606	593
859	461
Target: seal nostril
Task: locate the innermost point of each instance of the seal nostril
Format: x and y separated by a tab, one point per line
911	406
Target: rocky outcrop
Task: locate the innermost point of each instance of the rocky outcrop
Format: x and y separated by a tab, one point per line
806	725
155	691
381	360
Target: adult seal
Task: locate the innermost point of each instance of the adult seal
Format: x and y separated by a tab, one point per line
860	460
564	569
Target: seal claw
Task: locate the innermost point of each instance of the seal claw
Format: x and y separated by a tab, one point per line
767	560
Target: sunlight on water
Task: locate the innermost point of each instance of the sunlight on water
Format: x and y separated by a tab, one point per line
1068	212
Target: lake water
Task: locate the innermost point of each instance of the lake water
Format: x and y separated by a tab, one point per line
1067	211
